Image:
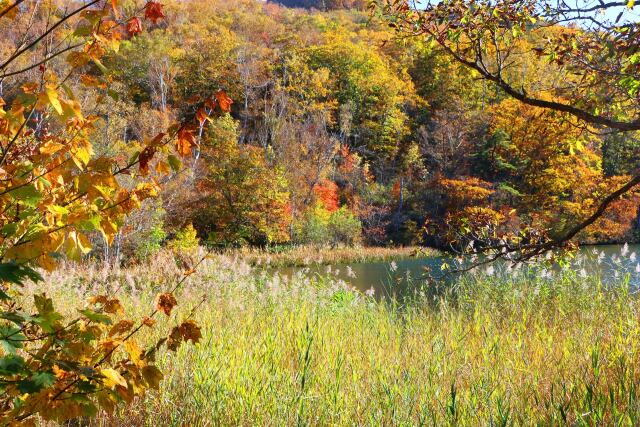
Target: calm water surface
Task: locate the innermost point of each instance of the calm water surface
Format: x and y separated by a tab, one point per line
611	263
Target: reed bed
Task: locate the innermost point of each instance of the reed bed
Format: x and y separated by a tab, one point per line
306	255
499	349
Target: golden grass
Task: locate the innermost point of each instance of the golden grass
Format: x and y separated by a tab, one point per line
500	351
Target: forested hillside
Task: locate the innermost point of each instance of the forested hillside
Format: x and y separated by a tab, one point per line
325	4
340	132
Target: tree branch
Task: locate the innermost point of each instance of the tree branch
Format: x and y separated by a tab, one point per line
10	8
46	33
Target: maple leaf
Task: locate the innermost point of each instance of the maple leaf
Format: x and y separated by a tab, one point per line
157	140
121	327
153	11
145	157
152	376
187	331
148	322
166	302
224	101
186	140
113	306
112	378
135	353
134	26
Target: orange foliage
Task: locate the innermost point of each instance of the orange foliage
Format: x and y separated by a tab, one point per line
464	192
395	191
327	193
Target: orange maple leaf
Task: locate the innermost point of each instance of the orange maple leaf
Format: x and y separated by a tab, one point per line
186	141
202	116
224	101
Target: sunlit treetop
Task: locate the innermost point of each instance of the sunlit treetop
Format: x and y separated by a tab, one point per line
590	49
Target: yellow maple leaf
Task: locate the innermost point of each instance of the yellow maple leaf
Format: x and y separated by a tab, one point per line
113	378
52	96
134	352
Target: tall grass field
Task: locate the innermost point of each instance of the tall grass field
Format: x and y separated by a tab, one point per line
495	350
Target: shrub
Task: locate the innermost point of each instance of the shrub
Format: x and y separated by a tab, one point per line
322	227
150	240
313	227
185	239
344	227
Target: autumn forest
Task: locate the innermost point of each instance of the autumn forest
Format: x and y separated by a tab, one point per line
319	212
342	133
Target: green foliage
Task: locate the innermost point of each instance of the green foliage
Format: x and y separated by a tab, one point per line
150	241
620	153
490	160
344	227
322	227
368	89
313	228
148	65
18	273
335	96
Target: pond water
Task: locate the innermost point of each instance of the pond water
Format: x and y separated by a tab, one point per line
611	263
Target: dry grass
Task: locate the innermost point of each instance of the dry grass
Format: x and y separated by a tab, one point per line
300	256
501	351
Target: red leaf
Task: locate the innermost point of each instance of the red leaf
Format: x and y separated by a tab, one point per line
134	26
153	11
145	157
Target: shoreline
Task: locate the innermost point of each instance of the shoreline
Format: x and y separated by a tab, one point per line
302	256
310	255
